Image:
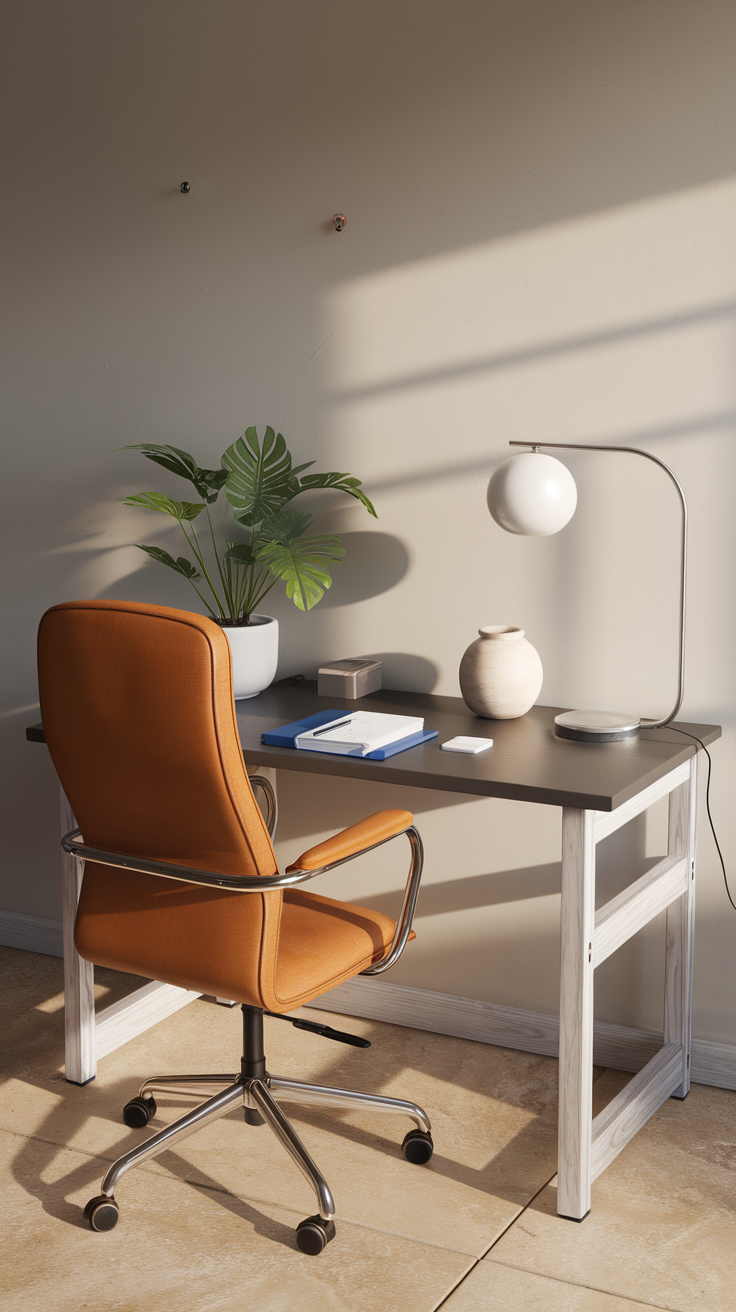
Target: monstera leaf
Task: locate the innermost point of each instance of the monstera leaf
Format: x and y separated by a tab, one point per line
341	483
156	501
207	481
285	527
241	553
259	481
181	564
260	478
303	565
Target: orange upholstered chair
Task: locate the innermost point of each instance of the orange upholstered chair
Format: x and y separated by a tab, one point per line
181	883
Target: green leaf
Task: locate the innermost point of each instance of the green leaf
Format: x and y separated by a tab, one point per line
302	565
207	481
241	553
285	527
157	501
341	483
181	564
260	477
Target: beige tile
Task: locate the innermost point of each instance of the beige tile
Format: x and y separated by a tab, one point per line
493	1115
202	1250
662	1228
493	1288
32	1011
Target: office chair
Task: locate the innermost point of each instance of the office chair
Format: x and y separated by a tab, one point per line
181	883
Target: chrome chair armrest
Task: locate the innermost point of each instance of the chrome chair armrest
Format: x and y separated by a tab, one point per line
185	874
267	883
406	916
260	781
411	892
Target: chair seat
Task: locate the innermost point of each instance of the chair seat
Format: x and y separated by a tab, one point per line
323	942
193	937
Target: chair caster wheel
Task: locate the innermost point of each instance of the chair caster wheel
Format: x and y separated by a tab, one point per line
101	1213
138	1112
314	1234
417	1147
252	1117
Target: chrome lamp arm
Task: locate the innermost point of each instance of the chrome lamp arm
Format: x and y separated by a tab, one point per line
635	451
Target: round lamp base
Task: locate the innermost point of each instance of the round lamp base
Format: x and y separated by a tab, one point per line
596	726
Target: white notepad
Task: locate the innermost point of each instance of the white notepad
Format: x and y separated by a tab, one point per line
359	733
470	745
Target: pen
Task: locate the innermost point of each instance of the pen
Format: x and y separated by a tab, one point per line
316	732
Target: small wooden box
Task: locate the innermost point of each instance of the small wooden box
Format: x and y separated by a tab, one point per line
349	678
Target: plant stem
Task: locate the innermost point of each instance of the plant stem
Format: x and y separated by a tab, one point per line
203	599
194	547
256	593
225	587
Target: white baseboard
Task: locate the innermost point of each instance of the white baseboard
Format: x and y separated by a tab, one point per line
31	933
615	1046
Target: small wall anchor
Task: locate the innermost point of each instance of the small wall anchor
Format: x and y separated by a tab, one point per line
185	187
338	222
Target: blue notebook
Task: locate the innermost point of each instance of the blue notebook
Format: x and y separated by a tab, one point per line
286	735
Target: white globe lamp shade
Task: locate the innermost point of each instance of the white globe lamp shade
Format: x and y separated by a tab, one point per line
532	494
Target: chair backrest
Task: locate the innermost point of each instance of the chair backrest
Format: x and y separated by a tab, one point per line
138	713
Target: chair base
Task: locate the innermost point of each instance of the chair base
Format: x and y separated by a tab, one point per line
254	1089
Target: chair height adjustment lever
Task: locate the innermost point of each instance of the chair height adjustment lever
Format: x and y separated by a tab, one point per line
326	1031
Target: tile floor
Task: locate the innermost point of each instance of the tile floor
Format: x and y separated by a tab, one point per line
210	1227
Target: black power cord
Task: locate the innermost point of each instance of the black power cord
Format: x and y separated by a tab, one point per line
707	804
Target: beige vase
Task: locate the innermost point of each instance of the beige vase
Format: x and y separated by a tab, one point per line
500	673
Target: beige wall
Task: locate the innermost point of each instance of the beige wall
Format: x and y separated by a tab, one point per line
541	201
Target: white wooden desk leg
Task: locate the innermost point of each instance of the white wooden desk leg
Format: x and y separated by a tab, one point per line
576	1013
678	971
79	975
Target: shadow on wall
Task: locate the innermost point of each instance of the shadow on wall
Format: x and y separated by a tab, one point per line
549	350
496	888
374	563
405	672
475	891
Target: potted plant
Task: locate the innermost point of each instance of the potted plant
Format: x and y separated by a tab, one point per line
260	483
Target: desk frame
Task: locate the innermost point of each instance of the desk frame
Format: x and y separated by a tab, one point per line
585	1146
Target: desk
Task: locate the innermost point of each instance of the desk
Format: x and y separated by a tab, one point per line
599	788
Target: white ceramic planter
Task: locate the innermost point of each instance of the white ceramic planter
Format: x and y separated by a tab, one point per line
255	650
500	673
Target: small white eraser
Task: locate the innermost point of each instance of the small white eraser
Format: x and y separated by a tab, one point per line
470	745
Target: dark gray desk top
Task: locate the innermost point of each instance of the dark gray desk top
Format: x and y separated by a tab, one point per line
526	763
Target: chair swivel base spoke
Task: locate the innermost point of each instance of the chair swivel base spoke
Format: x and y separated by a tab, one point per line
185	1084
289	1139
323	1095
188	1124
254	1089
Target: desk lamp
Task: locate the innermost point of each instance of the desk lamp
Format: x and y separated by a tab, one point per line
536	495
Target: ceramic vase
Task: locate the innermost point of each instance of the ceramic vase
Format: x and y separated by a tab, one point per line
255	653
500	673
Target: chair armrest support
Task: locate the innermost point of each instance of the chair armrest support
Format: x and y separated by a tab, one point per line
265	883
352	842
185	874
406	916
260	781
